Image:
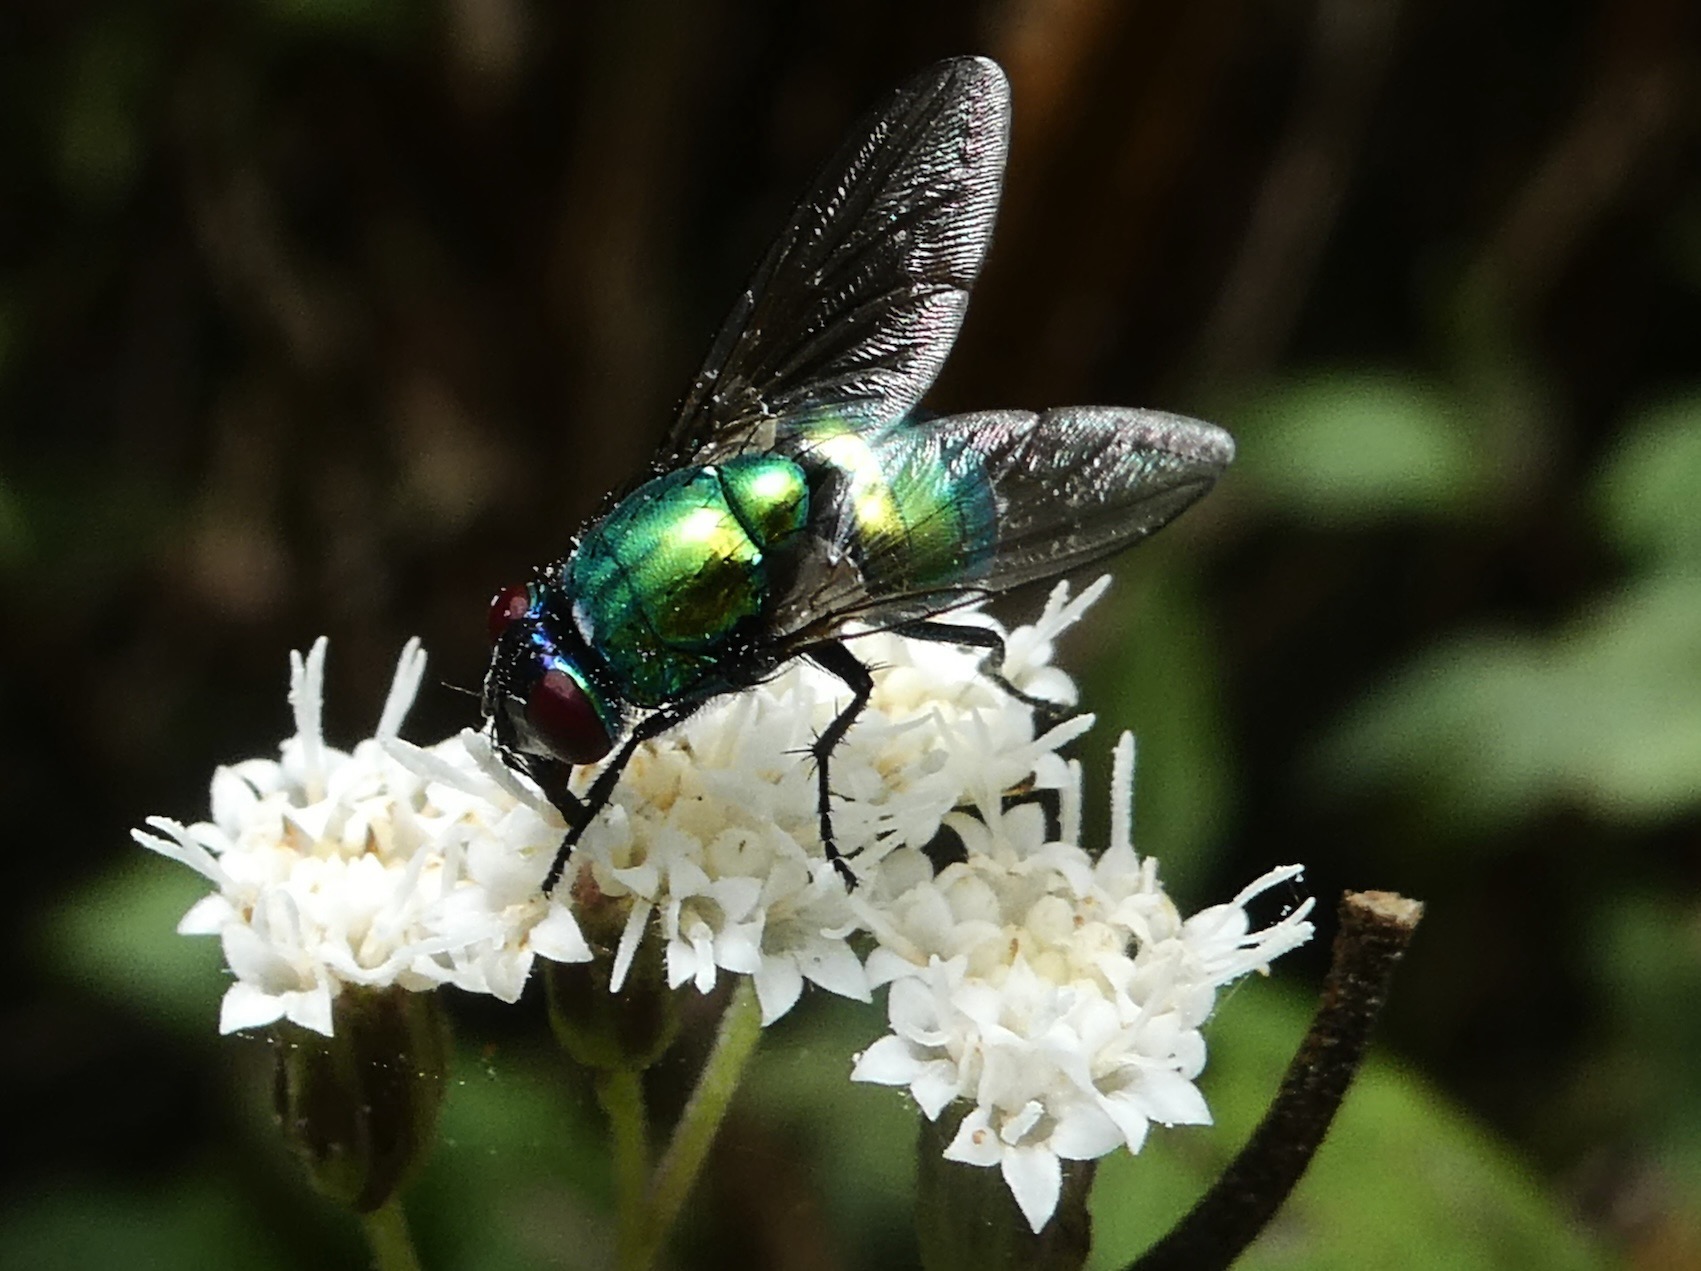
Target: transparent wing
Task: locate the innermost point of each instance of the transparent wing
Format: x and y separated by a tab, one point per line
859	300
1068	487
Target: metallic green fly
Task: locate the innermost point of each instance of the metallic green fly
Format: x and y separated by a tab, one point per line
799	498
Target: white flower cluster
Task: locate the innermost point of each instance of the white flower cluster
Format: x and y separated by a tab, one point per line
337	869
1057	995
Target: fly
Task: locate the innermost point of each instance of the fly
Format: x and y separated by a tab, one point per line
799	495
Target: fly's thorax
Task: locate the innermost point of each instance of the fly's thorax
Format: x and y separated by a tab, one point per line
769	494
663	586
915	510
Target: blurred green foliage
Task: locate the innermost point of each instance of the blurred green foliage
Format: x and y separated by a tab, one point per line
1351	449
1602	713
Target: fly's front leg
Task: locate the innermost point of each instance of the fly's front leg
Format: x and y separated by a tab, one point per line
602	789
551	776
838	661
979	638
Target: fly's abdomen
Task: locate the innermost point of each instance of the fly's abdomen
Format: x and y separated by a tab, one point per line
662	583
916	510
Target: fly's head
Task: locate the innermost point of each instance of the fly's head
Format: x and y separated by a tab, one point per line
537	694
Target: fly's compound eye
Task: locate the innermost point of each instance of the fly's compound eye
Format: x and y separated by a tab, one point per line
507	605
562	716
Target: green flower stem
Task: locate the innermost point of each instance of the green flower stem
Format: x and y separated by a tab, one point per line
740	1029
387	1236
621	1093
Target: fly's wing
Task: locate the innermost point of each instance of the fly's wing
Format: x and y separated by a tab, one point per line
860	298
988	501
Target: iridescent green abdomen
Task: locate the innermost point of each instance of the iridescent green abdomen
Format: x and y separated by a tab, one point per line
919	510
662	584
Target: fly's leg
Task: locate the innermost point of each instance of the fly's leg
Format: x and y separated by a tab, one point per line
979	638
551	777
602	789
838	661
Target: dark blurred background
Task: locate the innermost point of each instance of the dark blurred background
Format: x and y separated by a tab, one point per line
333	316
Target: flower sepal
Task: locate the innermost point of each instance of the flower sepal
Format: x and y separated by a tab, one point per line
605	1030
969	1219
360	1106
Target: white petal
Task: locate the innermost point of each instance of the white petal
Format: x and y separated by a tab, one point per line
254	959
1171	1099
404	687
888	1062
739	947
835	967
504	977
1084	1132
314	820
181	847
935	1086
232	797
976	1143
1131	1121
307	699
207	916
245	1006
778	986
886	965
636	921
559	938
310	1009
1035	1178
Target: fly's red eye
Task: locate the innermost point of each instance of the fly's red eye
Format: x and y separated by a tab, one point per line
505	606
564	719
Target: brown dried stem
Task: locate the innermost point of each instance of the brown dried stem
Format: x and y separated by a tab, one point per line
1376	927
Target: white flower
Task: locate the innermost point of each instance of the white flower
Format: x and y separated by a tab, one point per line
393	864
336	870
1060	997
1056	995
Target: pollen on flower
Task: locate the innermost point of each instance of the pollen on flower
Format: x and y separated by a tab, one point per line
336	869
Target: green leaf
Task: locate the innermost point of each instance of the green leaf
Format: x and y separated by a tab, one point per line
1650	486
1358	448
1641	1085
1604	715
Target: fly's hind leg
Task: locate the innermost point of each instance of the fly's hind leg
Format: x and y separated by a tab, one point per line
602	789
980	638
838	661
